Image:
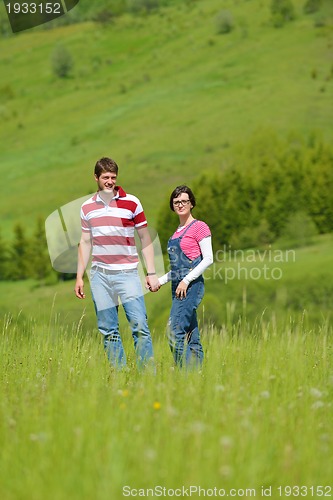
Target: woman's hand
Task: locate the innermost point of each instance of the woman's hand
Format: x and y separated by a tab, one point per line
181	290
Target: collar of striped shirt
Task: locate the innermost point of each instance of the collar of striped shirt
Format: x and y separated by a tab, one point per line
120	194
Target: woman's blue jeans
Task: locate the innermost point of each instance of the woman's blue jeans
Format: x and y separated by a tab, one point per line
183	326
107	290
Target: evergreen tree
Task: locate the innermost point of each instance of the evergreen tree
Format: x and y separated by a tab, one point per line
210	194
166	224
320	201
20	266
3	259
39	258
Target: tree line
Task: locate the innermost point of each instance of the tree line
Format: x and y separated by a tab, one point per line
252	199
26	257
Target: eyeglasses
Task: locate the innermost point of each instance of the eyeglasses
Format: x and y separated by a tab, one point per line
179	203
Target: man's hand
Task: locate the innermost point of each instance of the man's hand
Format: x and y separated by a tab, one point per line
153	283
181	290
84	251
79	288
148	253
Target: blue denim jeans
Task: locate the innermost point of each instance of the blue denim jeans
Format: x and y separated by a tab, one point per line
183	326
107	290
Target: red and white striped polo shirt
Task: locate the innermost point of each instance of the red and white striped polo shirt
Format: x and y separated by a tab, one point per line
112	229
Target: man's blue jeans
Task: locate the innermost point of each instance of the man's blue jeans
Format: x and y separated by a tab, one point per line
106	290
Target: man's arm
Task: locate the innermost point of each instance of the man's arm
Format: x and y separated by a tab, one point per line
84	251
148	254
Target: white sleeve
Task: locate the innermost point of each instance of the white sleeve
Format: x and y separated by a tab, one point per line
165	278
207	259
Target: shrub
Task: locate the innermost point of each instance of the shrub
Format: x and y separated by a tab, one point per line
4	24
224	22
62	62
258	236
6	93
312	6
103	16
319	21
299	230
136	6
282	12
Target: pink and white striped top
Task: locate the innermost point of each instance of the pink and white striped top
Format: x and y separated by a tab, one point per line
190	242
112	229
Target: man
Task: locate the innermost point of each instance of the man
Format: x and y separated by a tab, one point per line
108	221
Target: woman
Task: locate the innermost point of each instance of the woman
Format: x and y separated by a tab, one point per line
190	253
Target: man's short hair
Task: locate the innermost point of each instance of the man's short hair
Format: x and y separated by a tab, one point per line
105	165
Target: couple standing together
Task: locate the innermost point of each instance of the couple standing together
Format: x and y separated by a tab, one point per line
109	219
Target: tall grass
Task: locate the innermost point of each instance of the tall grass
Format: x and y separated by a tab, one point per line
259	412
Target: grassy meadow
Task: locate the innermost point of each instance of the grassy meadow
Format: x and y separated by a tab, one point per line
169	99
258	414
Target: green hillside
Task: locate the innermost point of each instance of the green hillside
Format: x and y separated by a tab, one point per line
173	102
164	94
169	98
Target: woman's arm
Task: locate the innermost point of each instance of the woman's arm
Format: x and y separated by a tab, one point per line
207	259
165	278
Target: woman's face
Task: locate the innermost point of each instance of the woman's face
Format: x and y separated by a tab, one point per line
182	204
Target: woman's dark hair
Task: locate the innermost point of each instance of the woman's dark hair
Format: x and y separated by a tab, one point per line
178	191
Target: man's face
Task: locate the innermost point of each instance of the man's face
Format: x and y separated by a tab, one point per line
106	181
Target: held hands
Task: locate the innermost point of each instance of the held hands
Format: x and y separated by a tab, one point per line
181	290
152	283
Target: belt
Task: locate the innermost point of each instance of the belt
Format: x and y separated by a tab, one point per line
112	271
